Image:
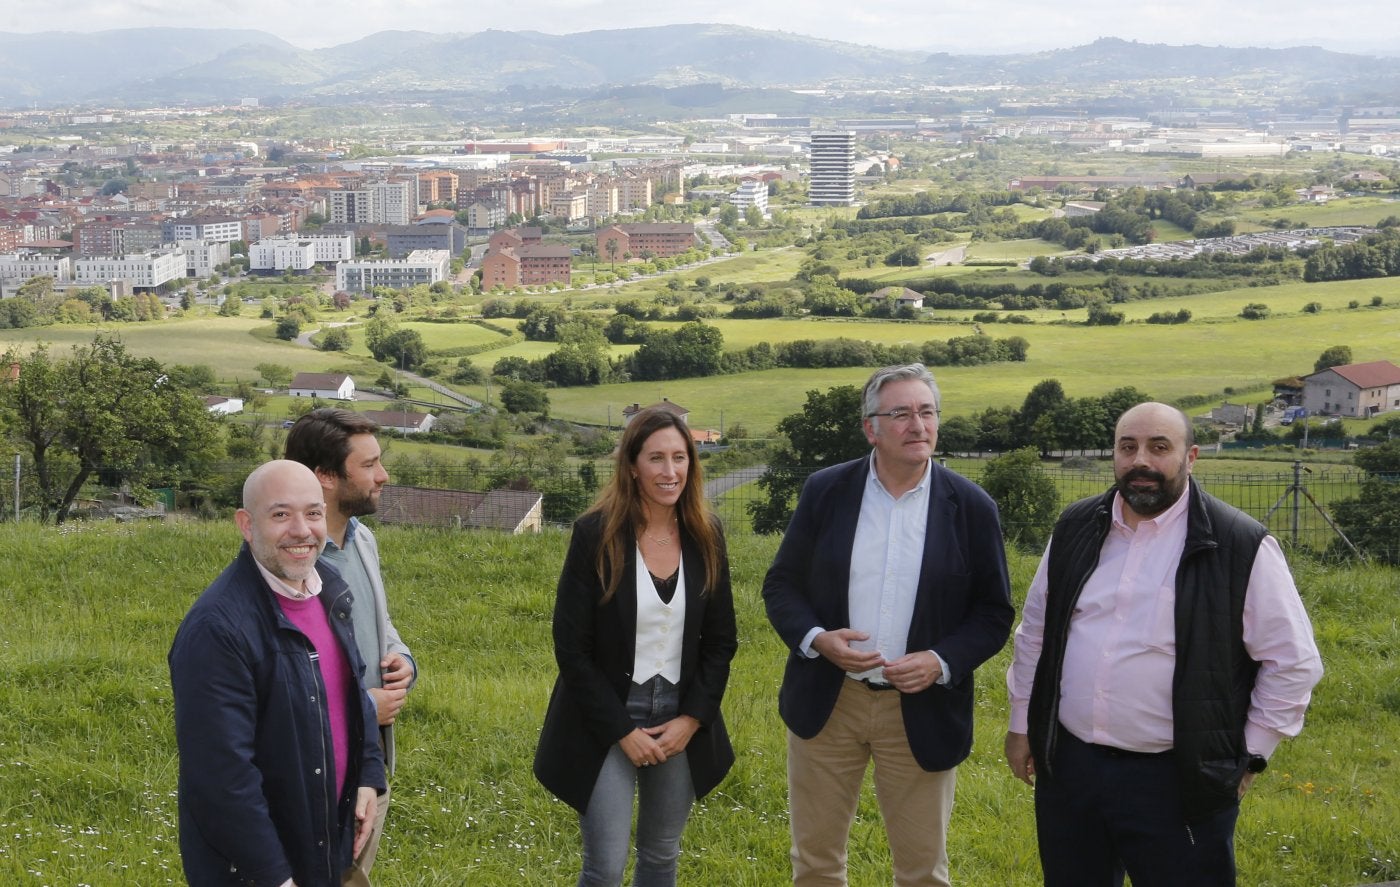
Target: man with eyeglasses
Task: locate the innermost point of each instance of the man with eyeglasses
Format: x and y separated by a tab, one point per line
889	589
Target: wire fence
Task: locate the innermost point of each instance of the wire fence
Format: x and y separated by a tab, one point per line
1299	505
1295	504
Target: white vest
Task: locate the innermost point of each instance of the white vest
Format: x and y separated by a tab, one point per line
660	628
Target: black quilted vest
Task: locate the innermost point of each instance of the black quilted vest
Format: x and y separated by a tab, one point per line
1214	675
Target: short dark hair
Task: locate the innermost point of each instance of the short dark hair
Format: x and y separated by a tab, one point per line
320	440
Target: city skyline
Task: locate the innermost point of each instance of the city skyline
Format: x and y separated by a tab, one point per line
1360	26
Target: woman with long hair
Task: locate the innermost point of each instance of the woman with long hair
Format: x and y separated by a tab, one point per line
643	635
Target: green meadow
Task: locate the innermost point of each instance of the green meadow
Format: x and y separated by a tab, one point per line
1216	354
88	763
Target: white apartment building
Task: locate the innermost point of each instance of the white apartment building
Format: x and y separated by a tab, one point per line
23	267
377	203
397	202
282	254
751	192
351	207
422	266
202	256
213	230
143	270
833	178
325	247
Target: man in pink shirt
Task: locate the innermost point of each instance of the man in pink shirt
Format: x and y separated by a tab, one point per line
1163	654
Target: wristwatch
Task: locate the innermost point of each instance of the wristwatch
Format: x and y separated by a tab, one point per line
1257	764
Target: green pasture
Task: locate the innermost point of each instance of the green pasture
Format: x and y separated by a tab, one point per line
1284	299
1165	361
1169	231
1343	211
88	763
1012	250
233	346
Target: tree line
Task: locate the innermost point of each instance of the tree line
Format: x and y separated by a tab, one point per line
696	349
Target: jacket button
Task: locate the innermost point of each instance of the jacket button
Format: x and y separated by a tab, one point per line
318	771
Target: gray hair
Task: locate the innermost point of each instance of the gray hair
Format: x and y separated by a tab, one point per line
870	396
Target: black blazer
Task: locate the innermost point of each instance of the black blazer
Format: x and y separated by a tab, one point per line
962	609
595	648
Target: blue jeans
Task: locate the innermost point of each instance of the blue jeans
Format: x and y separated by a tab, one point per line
664	797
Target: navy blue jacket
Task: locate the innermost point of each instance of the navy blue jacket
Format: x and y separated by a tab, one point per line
257	771
962	609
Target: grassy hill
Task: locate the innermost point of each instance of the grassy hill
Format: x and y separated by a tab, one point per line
88	765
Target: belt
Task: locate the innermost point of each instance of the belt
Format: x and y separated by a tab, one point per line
1113	752
1109	751
874	685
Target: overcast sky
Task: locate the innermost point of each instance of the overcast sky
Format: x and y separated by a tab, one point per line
969	26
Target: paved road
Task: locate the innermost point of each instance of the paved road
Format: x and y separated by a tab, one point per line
955	256
718	486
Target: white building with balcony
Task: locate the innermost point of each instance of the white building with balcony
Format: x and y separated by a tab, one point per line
751	192
141	271
420	267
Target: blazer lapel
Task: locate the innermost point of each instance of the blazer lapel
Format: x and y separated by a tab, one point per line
847	501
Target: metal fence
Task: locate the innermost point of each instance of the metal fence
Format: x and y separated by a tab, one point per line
1296	503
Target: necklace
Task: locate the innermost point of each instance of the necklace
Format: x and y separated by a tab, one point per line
666	540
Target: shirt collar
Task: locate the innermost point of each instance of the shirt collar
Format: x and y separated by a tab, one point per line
277	584
350	527
873	478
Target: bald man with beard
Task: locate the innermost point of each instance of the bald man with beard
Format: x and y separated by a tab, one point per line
1162	656
277	782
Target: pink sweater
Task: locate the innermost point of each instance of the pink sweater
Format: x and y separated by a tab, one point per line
309	616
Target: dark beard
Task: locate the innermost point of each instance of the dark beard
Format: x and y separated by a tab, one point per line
357	505
1148	503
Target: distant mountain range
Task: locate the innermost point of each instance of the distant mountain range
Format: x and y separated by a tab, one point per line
155	66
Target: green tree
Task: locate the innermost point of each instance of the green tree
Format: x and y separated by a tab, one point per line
335	339
102	410
827	431
404	349
274	374
524	397
1335	356
288	328
1041	400
1372	520
1027	498
231	306
907	256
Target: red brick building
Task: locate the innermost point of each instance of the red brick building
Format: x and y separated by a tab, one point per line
537	264
661	240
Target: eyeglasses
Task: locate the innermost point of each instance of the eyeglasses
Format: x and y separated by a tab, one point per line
902	415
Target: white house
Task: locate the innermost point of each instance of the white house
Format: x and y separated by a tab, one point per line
401	421
1358	390
223	406
333	386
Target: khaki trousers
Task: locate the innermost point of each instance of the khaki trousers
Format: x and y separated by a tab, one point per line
358	873
824	780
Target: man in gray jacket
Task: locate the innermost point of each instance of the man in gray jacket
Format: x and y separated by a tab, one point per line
341	448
